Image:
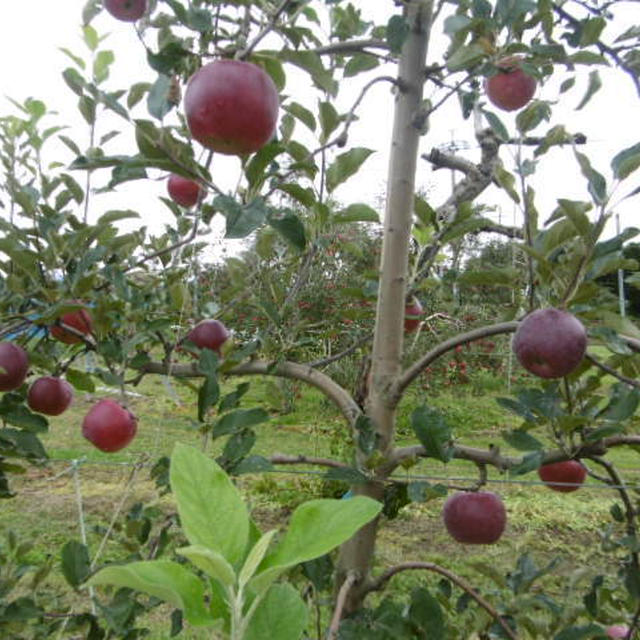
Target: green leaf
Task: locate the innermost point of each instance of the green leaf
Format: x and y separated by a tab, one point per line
303	195
576	212
211	562
431	428
622	405
597	182
465	57
497	126
345	165
291	228
80	380
530	462
282	615
316	527
424	491
520	439
356	213
580	633
211	509
329	120
163	579
158	102
359	63
76	564
208	395
530	117
626	162
241	219
20	416
595	83
301	113
238	420
397	32
254	558
426	613
101	64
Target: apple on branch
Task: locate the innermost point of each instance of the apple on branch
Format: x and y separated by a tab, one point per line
511	88
49	395
475	517
209	334
550	343
79	320
14	364
231	106
412	315
570	474
184	191
109	426
126	10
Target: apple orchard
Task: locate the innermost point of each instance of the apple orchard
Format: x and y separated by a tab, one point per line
341	298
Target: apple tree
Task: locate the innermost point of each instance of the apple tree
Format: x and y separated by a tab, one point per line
256	89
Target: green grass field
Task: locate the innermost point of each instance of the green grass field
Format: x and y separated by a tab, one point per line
547	524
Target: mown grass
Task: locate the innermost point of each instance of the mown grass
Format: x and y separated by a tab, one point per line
542	522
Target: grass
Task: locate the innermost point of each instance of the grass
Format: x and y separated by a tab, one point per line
545	523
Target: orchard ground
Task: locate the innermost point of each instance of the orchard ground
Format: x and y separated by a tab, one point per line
546	523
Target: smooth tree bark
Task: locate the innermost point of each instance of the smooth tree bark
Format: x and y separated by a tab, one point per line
356	555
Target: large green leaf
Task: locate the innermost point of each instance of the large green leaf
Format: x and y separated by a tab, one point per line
211	509
346	165
282	615
211	562
316	527
163	579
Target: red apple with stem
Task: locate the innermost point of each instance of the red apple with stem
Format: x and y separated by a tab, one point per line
550	343
109	426
209	334
474	517
412	315
570	472
79	320
14	364
183	191
511	88
231	106
126	10
49	395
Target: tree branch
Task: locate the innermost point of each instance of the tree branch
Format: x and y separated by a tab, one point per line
380	582
350	580
292	370
410	374
612	372
281	458
352	46
273	20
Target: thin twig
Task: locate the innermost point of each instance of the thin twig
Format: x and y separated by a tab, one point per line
346	586
246	52
281	458
381	581
612	372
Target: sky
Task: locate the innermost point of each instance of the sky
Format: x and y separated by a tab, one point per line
32	31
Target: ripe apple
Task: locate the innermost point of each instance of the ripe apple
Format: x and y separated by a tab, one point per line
617	631
412	315
475	517
569	471
209	334
14	364
50	395
109	426
550	343
126	10
80	320
231	106
511	88
183	191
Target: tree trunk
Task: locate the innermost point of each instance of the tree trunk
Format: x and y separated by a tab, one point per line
356	555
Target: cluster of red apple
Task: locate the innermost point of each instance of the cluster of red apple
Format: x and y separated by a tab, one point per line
550	343
108	425
511	88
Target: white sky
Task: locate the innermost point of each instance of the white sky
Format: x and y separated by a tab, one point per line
32	31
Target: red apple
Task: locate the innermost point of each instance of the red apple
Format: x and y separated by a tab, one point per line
412	315
80	320
475	517
617	631
183	191
209	334
511	88
231	106
126	10
14	364
50	395
550	343
569	471
109	426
